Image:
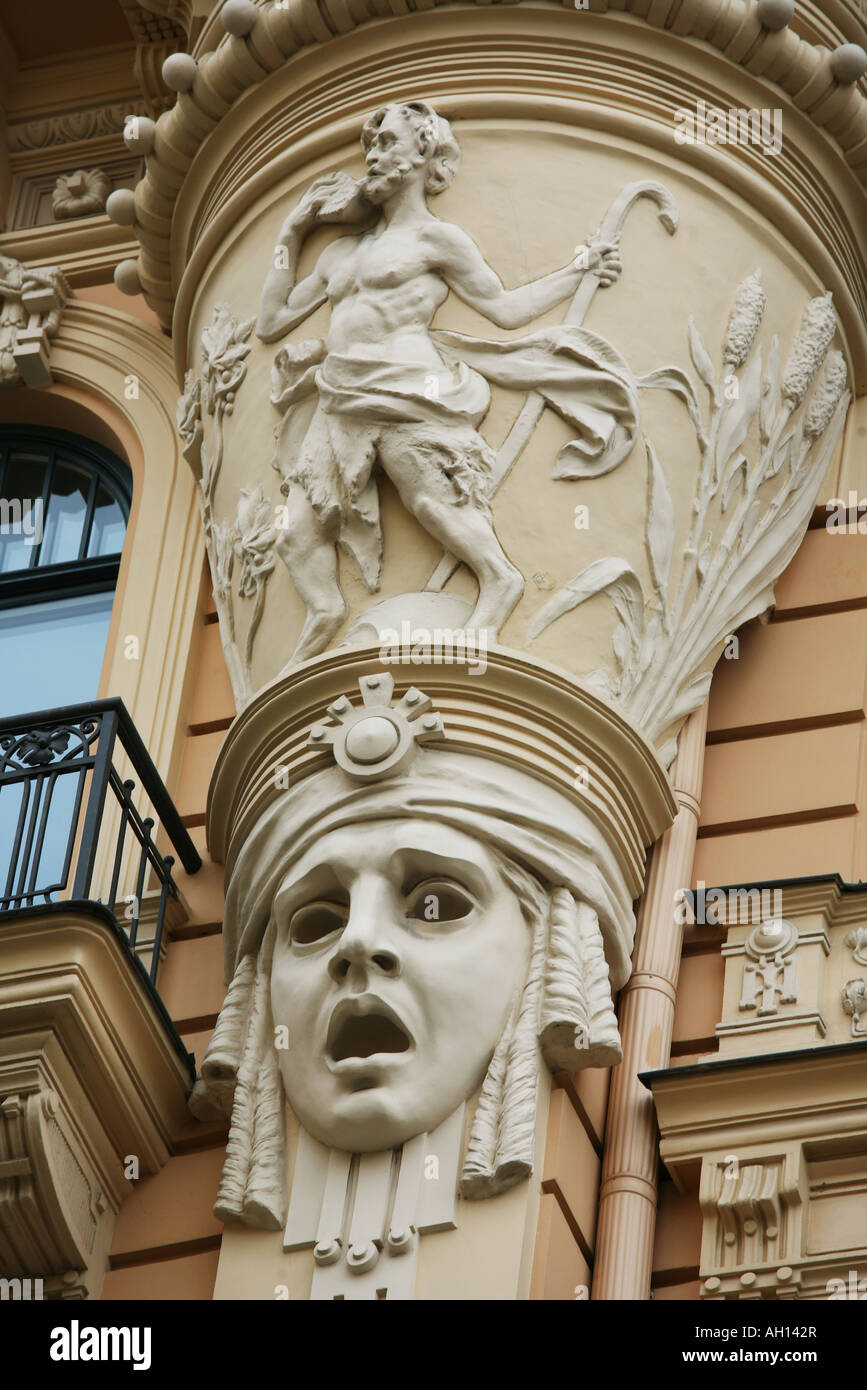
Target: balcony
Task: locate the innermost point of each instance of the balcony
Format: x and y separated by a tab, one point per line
93	1076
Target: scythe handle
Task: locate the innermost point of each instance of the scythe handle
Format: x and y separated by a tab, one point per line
610	229
519	435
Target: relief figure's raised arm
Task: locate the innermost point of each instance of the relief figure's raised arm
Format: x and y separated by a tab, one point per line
284	303
469	276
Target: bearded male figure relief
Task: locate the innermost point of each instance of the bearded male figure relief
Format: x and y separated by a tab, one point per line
386	390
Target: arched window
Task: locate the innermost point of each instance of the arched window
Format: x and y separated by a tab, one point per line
64	506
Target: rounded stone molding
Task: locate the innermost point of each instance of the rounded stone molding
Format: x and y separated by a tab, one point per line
139	134
120	207
179	71
80	194
371	740
126	277
849	62
771	938
238	17
775	14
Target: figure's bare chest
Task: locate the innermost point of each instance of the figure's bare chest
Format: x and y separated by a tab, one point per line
379	263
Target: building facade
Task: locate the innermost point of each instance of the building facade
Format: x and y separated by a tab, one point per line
433	589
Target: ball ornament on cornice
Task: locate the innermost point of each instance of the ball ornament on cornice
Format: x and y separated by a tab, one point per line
179	71
120	206
775	14
849	62
126	277
238	17
139	133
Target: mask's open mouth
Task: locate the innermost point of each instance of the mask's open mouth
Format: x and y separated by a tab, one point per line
362	1035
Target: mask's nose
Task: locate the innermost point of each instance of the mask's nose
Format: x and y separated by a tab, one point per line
369	943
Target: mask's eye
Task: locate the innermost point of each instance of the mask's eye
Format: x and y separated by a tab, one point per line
437	900
315	921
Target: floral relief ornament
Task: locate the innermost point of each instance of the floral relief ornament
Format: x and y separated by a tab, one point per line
80	194
253	544
225	349
747	519
857	943
855	1004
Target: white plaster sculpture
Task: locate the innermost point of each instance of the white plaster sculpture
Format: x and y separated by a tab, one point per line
386	392
249	538
31	302
856	940
855	1004
770	967
747	518
385	389
403	927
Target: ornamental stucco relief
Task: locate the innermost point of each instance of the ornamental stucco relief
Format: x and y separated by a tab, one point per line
431	910
408	927
747	516
386	396
31	303
387	390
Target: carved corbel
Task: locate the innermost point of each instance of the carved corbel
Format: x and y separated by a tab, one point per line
31	304
159	27
753	1210
51	1203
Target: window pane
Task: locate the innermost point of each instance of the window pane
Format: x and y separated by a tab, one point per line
23	481
51	653
64	520
58	827
106	536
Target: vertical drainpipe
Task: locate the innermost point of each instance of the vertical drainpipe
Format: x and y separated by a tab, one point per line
628	1192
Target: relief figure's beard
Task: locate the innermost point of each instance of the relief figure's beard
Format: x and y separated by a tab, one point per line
378	187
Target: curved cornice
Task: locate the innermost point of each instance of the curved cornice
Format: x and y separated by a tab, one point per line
792	64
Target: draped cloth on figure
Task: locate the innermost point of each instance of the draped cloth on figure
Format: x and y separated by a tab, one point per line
337	408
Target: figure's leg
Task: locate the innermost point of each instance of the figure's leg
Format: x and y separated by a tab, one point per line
457	522
311	559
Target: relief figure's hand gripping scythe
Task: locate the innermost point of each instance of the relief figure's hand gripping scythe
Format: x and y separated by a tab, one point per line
520	433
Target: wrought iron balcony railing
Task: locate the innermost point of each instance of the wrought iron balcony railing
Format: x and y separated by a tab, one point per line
57	771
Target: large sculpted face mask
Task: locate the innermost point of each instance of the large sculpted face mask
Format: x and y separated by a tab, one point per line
400	952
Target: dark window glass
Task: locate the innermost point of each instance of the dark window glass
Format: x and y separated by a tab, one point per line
66	515
21	500
58	504
109	525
